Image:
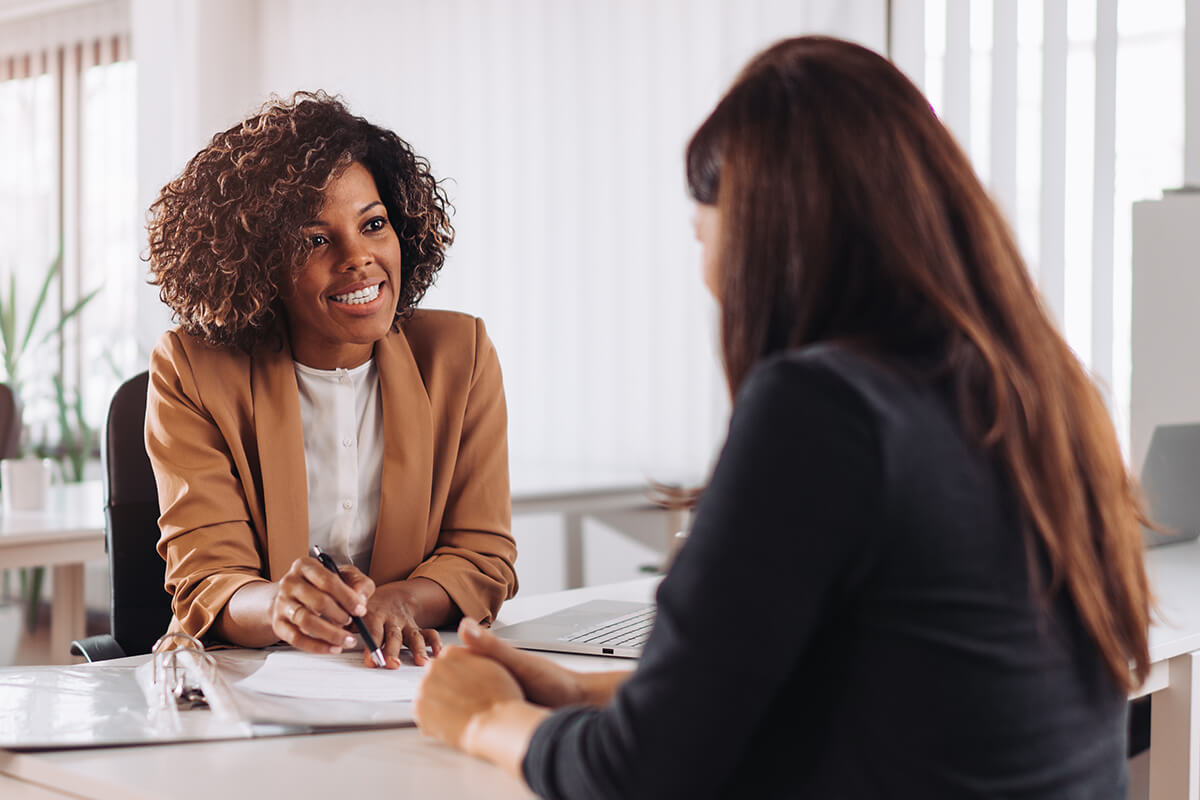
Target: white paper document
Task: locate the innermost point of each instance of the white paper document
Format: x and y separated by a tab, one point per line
314	676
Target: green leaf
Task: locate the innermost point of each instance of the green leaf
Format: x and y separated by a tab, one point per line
55	266
80	454
67	439
8	327
69	314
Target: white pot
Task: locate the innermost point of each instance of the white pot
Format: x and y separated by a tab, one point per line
24	483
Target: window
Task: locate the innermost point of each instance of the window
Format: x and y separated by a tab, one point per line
1071	112
67	185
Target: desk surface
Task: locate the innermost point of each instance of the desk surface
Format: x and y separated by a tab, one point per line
388	763
391	763
401	761
1175	580
65	535
73	516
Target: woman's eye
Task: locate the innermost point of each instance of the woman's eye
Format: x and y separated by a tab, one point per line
377	224
316	240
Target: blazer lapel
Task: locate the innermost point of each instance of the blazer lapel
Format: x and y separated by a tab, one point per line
280	438
406	485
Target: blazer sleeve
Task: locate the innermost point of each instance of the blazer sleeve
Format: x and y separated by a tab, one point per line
206	537
475	552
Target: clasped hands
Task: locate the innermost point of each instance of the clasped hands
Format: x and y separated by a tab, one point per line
312	607
487	697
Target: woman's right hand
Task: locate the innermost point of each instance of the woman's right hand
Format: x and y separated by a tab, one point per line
312	606
543	682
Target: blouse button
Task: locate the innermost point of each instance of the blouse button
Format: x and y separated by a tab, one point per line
346	504
347	442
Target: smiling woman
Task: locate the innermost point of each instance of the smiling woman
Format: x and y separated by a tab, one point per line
304	400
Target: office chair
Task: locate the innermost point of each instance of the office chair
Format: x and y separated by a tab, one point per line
10	422
141	607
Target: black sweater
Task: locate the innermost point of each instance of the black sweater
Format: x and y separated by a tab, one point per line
850	617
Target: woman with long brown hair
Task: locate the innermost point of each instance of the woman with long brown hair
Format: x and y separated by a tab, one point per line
921	496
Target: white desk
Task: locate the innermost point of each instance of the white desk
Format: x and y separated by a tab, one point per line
65	535
385	763
401	760
1175	676
579	492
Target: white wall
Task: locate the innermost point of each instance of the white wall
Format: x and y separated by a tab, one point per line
1166	326
561	124
198	62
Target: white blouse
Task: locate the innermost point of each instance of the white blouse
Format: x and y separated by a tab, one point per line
342	418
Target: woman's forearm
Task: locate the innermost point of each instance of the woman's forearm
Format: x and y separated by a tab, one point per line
598	688
501	734
246	618
430	604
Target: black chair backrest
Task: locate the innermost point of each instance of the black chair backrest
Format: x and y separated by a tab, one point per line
10	422
141	607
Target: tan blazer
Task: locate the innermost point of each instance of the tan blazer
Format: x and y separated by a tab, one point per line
224	436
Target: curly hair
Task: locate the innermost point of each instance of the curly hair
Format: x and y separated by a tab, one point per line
226	233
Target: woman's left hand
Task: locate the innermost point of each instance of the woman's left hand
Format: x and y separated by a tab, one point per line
458	688
391	618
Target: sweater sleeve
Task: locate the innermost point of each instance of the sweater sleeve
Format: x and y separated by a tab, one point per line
783	531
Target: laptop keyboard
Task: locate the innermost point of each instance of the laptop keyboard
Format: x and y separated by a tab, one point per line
630	630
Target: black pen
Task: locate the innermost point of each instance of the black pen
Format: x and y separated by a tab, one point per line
364	634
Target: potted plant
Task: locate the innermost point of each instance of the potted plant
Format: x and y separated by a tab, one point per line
19	340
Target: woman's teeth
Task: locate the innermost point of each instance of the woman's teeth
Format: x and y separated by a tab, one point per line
358	298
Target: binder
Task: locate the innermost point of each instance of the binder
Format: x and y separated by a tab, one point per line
180	693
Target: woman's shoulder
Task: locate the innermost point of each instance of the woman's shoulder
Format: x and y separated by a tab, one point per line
444	338
848	381
830	366
436	324
177	350
449	353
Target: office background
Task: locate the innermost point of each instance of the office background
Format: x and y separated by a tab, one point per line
559	126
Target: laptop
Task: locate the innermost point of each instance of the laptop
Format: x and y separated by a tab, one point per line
596	628
1171	484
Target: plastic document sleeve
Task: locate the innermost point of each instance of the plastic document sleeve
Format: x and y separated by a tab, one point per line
181	693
